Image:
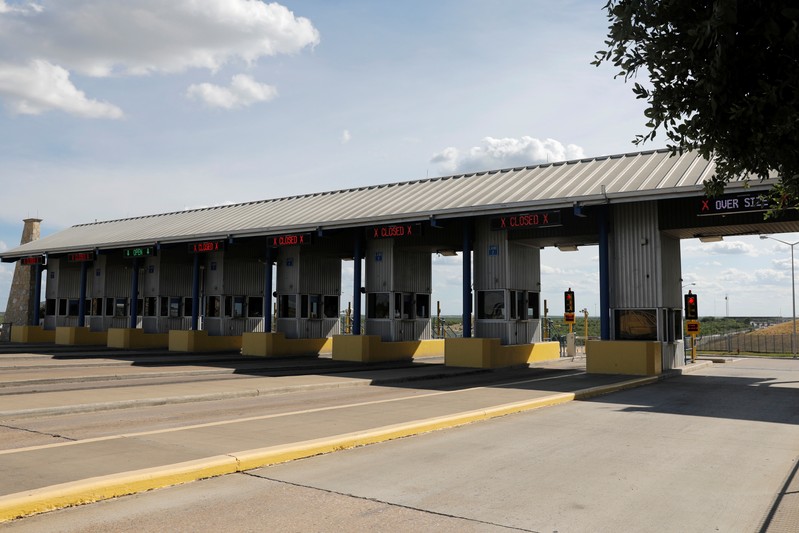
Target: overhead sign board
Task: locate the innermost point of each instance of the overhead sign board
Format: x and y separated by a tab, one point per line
33	260
393	231
745	202
139	251
80	257
206	246
290	239
535	219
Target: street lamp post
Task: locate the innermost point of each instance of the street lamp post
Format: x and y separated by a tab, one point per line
793	291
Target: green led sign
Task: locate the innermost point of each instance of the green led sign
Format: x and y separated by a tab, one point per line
140	251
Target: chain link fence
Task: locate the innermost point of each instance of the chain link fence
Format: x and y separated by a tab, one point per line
743	343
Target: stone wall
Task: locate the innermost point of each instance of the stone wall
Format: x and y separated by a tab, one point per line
19	310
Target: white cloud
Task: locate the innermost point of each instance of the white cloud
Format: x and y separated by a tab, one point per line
730	248
3	246
345	136
138	37
507	152
41	86
242	92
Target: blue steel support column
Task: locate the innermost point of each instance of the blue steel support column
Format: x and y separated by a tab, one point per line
604	273
37	294
134	295
467	279
195	294
84	268
268	291
356	287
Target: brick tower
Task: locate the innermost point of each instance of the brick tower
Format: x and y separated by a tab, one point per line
19	310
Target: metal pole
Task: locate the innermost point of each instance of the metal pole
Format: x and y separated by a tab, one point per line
604	272
84	268
134	294
195	294
356	287
793	301
467	279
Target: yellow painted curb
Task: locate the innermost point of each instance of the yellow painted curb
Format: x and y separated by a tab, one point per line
113	485
104	487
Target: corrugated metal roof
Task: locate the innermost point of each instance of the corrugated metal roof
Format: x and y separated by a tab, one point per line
626	177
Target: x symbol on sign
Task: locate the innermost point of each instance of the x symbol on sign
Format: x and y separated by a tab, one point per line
705	206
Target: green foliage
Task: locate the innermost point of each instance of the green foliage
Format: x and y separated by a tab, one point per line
723	81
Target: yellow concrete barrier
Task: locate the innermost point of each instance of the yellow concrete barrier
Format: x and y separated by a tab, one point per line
75	336
371	349
277	345
127	338
489	353
32	334
642	358
200	341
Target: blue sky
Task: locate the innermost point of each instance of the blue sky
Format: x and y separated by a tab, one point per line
117	109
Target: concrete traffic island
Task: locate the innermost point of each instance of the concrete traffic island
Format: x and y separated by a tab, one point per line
152	459
277	345
127	338
200	341
489	353
623	357
32	334
371	349
80	336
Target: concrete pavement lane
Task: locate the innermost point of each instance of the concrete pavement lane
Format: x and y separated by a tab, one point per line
46	476
714	450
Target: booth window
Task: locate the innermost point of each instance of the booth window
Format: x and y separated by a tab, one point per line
72	309
62	307
422	306
255	307
532	306
49	307
149	306
636	324
164	311
303	306
331	306
174	307
407	305
491	305
212	307
238	307
315	306
675	324
109	307
515	309
377	304
187	306
97	307
120	307
288	306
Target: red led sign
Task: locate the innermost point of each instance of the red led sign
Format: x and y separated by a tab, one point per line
80	257
538	219
206	246
395	231
35	260
290	239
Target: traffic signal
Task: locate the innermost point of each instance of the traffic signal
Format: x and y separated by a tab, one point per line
568	301
691	307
